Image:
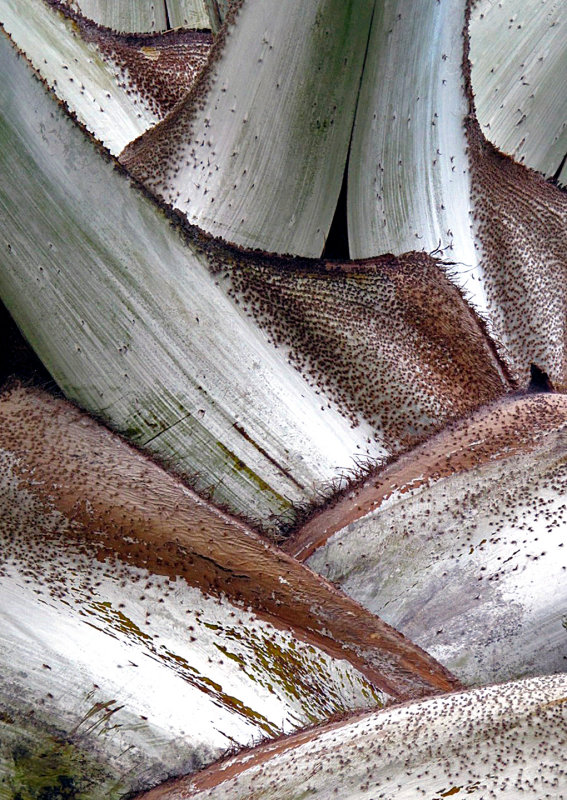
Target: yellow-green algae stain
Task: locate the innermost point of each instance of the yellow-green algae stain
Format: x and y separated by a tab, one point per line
303	676
114	620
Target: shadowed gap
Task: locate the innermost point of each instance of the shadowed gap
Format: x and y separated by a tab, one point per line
560	168
336	245
17	359
539	380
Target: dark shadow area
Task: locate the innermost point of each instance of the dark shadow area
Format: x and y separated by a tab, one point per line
336	246
539	380
560	168
17	359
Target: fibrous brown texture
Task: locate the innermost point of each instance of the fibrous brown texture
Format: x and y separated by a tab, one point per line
463	546
136	512
521	227
389	339
161	68
520	230
150	154
391	342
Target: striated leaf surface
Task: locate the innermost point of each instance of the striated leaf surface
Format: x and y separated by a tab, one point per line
117	86
188	14
126	314
124	16
521	224
460	543
179	535
148	630
140	16
519	79
168	335
503	741
408	175
421	175
390	340
217	11
256	153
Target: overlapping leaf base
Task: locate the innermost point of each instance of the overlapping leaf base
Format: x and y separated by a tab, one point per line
460	544
144	629
503	741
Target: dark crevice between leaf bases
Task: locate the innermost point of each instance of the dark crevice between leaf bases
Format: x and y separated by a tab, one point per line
120	505
488	234
520	195
520	221
485	159
337	243
216	10
335	344
167	20
17	359
74	6
175	154
559	170
162	67
539	381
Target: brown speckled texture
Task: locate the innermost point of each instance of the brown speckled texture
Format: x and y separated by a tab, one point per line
160	67
390	340
521	224
508	427
504	741
148	158
122	506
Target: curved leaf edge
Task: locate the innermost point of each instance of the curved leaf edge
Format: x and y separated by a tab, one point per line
222	254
